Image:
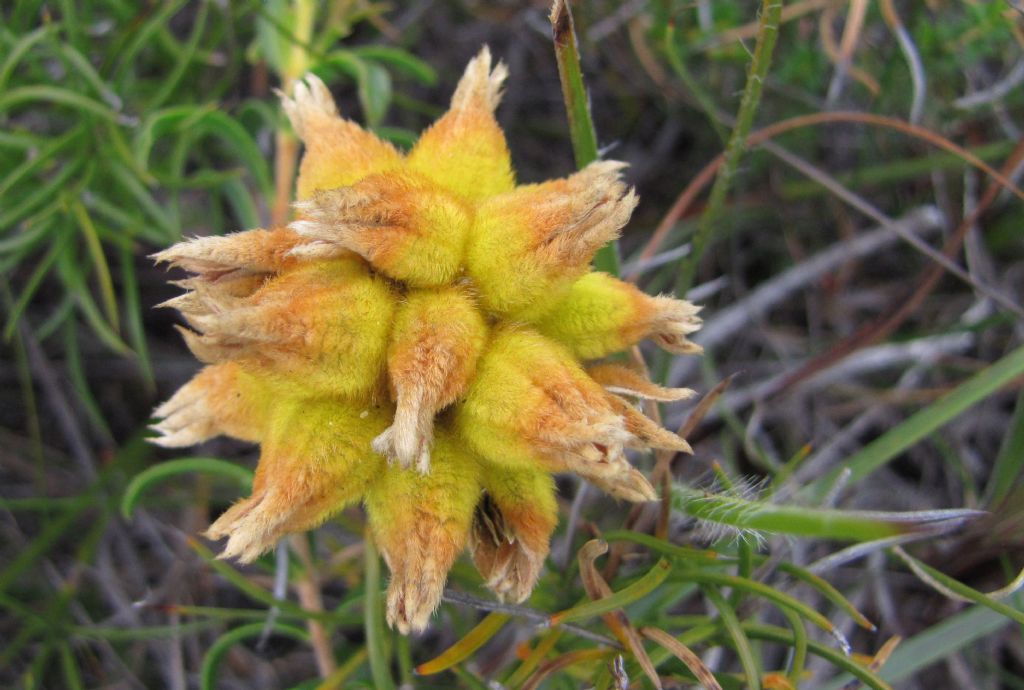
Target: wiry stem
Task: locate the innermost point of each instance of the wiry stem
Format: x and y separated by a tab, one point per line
768	31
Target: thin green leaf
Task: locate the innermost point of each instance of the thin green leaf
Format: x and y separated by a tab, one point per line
373	83
43	157
215	654
28	289
79	381
71	274
1009	465
170	469
18	51
751	669
464	648
661	546
846	525
926	421
402	60
955	589
41	195
69	667
133	318
204	121
620	599
99	261
337	679
43	542
184	59
57	96
80	64
131	183
252	590
833	656
935	644
762	590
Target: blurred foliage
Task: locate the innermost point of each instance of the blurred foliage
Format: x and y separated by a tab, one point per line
124	126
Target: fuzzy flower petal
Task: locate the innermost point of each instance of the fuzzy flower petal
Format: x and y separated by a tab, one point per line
421	523
404	225
512	529
528	246
436	341
465	151
315	460
601	314
220	399
319	328
338	151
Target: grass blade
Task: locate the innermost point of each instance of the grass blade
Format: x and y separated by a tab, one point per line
903	436
739	637
958	591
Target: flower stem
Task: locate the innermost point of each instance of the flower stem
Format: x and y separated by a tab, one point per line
577	108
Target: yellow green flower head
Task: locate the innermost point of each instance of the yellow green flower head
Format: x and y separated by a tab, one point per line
425	338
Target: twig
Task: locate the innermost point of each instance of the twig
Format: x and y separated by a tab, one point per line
888	323
754	306
913	58
1000	89
867	208
67	420
847	46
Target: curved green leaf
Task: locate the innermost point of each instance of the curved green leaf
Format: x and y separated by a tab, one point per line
156	474
221	646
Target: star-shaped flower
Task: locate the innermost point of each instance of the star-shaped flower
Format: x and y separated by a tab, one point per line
426	338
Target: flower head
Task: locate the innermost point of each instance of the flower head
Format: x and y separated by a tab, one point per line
423	339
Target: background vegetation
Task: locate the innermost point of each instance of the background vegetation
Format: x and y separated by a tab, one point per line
861	266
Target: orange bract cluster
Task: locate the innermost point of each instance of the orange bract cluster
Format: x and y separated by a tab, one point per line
417	341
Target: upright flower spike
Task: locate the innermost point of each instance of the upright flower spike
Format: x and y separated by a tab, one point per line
422	312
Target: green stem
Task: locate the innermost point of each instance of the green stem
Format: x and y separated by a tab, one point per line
768	31
845	525
577	108
374	620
